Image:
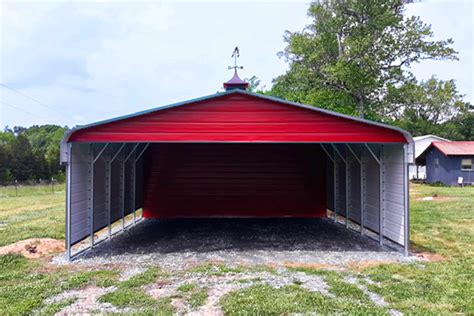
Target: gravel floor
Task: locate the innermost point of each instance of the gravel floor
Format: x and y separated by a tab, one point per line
177	244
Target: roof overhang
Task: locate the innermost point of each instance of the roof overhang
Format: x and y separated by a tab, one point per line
407	136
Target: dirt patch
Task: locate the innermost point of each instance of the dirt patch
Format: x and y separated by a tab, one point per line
34	247
315	266
428	256
361	265
86	301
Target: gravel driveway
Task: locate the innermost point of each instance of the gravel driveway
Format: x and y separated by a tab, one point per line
177	244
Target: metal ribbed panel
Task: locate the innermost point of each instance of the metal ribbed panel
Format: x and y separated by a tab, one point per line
393	197
234	180
80	192
372	189
237	118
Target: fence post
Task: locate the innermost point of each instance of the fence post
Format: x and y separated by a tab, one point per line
16	187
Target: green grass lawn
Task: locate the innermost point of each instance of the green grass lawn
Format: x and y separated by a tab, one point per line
444	226
31	211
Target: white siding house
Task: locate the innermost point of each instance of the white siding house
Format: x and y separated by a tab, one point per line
421	143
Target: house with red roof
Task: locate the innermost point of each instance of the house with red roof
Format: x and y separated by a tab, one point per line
450	163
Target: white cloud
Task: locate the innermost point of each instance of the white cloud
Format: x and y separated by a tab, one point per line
95	60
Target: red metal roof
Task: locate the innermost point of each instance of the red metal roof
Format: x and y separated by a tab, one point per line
238	116
455	148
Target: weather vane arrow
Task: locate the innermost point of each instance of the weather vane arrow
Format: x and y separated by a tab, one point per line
235	55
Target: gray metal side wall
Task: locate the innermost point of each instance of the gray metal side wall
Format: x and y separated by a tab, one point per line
354	185
394	170
372	188
90	188
80	192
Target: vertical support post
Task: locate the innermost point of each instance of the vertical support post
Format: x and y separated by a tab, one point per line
137	157
108	179
347	191
122	193
406	199
335	187
360	160
91	193
362	191
133	183
381	195
92	170
124	162
68	200
346	176
379	161
110	188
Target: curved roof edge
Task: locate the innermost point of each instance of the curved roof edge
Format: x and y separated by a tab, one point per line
406	134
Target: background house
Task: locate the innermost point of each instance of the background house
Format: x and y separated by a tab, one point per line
449	162
421	143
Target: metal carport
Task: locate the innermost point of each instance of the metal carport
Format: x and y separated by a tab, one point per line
363	164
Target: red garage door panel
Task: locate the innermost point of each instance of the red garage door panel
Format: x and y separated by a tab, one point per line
234	180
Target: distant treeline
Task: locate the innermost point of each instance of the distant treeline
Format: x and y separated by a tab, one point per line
30	154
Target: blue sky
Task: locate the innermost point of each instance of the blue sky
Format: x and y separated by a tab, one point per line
74	63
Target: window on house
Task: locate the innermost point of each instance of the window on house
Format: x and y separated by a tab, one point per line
466	164
436	162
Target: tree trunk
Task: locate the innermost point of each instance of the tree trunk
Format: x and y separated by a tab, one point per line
360	107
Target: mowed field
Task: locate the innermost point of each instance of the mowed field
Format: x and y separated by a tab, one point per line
443	227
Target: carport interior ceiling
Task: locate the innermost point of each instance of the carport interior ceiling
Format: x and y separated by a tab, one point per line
237	154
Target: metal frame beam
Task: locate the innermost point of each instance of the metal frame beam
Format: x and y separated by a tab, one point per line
94	160
68	201
359	160
346	185
334	163
109	206
123	183
379	161
134	181
406	199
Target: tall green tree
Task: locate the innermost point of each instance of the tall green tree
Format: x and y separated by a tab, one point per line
30	153
353	52
463	124
427	107
22	160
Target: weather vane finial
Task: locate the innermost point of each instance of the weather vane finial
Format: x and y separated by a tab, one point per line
235	55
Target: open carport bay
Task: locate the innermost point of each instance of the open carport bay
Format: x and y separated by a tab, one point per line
233	155
183	243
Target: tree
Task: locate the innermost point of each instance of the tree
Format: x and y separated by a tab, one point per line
353	52
22	160
254	83
30	153
427	107
464	125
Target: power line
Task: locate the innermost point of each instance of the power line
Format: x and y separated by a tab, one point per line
15	107
32	99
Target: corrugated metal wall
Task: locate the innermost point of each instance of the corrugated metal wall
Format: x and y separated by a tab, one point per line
95	185
394	192
235	180
372	190
393	188
80	192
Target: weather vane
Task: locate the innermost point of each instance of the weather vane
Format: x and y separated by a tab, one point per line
235	55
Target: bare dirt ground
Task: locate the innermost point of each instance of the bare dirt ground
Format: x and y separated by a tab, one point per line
34	247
